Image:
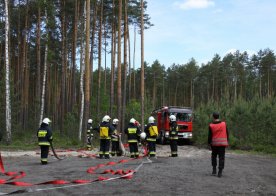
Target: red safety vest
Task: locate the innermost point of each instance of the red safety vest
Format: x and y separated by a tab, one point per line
219	135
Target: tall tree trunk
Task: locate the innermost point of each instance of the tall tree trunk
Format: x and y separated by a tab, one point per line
125	63
18	72
113	52
7	75
92	44
44	72
134	79
99	60
87	63
129	66
154	91
119	69
82	67
26	74
105	52
64	66
38	60
142	66
74	46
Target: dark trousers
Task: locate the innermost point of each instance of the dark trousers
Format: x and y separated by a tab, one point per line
220	152
152	148
104	148
89	142
133	148
44	154
173	144
115	148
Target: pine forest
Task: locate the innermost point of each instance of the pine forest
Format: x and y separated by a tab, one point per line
71	60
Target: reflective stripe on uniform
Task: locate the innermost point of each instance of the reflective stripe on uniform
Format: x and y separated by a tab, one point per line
151	139
42	133
132	130
105	138
44	143
132	141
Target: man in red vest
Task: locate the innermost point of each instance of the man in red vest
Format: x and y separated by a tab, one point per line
218	140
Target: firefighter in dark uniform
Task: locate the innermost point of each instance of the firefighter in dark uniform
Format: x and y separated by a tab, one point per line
44	135
115	139
173	135
133	134
152	131
218	138
106	130
89	134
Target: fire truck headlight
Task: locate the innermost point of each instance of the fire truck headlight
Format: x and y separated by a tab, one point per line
167	134
190	134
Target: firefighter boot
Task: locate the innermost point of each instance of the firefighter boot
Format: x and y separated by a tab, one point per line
220	173
214	171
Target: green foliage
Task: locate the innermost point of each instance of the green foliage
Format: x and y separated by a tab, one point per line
133	109
71	125
251	125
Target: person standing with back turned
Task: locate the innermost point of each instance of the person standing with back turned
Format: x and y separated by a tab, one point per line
152	131
106	130
133	134
44	135
218	140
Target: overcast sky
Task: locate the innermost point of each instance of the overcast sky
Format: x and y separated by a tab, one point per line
185	29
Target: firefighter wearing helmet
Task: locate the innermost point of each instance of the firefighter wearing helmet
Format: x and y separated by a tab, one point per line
173	135
115	139
151	131
89	134
133	134
106	130
44	135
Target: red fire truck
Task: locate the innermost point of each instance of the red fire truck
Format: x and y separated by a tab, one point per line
184	117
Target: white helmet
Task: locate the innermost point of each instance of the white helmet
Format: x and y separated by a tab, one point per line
132	120
151	119
143	135
115	121
172	118
46	121
106	118
90	121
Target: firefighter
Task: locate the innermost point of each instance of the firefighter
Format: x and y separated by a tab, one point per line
218	138
115	139
44	135
133	133
106	130
152	131
89	134
173	135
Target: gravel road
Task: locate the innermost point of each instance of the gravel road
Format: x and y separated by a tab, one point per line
188	174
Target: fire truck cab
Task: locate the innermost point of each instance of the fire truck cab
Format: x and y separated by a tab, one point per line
184	117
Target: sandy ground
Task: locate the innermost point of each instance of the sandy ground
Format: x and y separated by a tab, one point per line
188	174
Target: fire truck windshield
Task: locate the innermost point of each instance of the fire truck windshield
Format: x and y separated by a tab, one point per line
184	117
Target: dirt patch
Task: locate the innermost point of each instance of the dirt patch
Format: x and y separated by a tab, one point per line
188	174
